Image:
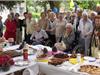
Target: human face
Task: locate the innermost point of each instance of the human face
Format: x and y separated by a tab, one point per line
16	16
29	15
42	15
26	15
60	16
9	17
52	16
85	17
92	15
69	29
37	27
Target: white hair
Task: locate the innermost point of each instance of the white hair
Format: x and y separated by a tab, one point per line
84	13
95	13
69	24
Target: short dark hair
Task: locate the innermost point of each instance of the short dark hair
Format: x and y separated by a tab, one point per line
25	13
17	14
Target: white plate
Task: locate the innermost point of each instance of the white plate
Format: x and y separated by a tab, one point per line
90	59
21	63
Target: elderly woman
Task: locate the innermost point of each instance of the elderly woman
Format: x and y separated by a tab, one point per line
86	29
39	35
67	39
60	24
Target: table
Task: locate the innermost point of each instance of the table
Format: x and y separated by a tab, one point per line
45	67
53	70
18	68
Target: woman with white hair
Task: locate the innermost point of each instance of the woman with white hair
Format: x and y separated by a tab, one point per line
86	29
67	38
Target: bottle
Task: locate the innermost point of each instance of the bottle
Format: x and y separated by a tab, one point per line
25	54
78	57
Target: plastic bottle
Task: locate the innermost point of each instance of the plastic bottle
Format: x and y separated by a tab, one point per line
78	57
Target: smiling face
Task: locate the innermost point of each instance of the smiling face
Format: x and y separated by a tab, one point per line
69	29
52	16
37	27
85	17
60	16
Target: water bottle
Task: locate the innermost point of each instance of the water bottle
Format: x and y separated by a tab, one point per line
78	57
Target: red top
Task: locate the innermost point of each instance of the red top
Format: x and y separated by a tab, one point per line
10	29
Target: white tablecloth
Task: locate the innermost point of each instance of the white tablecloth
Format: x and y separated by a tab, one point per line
18	68
52	70
63	69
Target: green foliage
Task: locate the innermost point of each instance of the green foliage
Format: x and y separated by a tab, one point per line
36	15
8	4
87	4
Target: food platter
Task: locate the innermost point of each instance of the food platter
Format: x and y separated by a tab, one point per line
87	68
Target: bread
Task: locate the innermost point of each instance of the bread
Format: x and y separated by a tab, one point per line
90	69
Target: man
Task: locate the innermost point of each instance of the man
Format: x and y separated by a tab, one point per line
39	35
86	29
24	24
1	27
30	22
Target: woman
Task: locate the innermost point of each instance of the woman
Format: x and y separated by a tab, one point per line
19	28
60	24
30	22
67	39
10	28
43	21
51	27
86	29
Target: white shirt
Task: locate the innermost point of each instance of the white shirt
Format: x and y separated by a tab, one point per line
85	29
29	26
39	35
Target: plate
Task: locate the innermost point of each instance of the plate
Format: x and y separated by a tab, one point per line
90	59
21	63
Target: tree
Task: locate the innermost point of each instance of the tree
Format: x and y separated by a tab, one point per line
8	4
87	4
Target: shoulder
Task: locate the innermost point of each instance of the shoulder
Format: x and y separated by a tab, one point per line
42	30
81	20
89	21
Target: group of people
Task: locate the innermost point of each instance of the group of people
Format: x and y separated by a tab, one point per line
62	29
